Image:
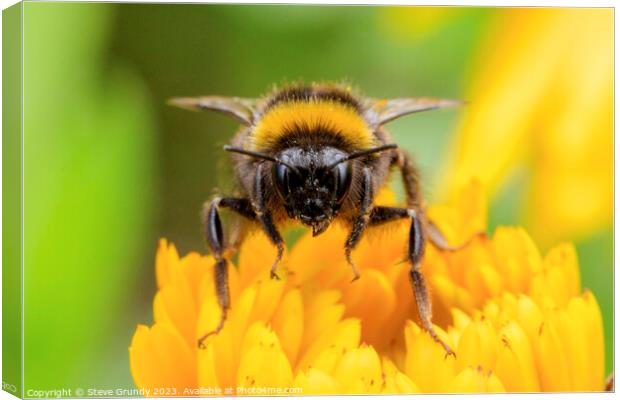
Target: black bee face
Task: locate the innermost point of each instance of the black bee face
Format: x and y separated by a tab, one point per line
315	188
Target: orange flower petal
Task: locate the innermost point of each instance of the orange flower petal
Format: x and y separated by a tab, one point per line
142	359
256	256
177	307
306	262
344	336
166	257
288	323
161	358
371	299
323	314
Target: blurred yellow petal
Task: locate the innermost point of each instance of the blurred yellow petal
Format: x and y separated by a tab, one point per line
504	94
576	155
288	323
552	116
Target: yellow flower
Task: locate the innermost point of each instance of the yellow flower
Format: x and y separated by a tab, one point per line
277	336
541	102
517	320
515	345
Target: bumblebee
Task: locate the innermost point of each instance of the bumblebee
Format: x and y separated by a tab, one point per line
316	153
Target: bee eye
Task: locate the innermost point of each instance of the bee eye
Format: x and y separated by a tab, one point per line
286	180
281	177
342	179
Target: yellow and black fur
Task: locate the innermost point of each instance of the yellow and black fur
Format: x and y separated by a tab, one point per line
314	154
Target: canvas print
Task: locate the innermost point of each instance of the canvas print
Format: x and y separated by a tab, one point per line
234	199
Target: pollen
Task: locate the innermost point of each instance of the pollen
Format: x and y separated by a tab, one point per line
312	117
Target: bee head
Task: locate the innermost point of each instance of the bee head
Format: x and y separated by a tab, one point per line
313	184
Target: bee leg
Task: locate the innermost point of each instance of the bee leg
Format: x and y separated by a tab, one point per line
439	240
381	215
411	182
411	179
420	290
415	253
263	215
360	223
215	240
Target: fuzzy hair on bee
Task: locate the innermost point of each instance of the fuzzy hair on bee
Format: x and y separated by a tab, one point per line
315	154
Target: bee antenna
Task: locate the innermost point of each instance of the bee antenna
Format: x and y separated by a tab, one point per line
364	153
262	156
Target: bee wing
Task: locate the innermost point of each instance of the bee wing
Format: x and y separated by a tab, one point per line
239	108
388	110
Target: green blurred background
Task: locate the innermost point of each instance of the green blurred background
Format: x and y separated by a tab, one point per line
111	169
